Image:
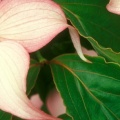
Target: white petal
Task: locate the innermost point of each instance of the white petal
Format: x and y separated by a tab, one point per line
13	58
114	6
33	23
14	64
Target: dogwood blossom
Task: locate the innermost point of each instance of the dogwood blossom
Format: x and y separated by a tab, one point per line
34	23
25	27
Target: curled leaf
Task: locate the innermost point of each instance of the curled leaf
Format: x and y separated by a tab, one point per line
14	65
114	6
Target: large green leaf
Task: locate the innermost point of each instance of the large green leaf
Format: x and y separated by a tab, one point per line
44	82
5	116
96	24
90	91
108	53
32	75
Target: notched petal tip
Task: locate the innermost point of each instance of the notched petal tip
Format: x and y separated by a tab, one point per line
76	42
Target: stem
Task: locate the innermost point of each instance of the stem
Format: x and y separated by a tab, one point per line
40	57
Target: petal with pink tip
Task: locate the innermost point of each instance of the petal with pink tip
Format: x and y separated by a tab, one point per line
76	42
114	6
33	23
14	64
8	50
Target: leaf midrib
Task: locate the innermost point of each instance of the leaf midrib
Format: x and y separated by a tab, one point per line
77	17
87	89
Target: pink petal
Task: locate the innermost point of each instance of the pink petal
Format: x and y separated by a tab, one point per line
36	101
76	42
55	103
114	6
89	52
14	64
33	23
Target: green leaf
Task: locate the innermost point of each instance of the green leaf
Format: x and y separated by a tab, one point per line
108	53
96	24
32	75
16	118
44	82
5	116
90	91
65	117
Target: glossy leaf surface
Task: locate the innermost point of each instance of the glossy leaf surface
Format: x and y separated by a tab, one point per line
32	75
95	23
5	116
90	90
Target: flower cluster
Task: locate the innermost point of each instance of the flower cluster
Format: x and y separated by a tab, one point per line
25	27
